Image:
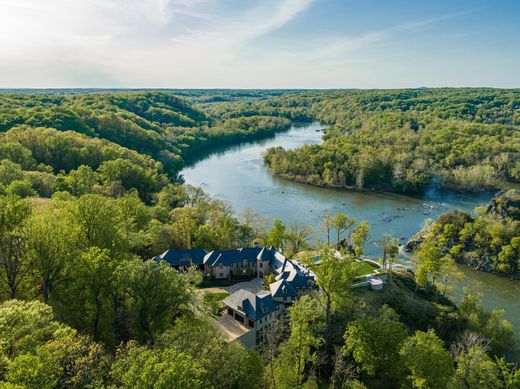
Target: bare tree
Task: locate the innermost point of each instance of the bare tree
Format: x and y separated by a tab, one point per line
274	334
13	261
343	224
326	225
390	251
343	371
298	236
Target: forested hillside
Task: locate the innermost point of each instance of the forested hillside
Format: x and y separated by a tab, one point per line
113	141
488	241
407	140
89	192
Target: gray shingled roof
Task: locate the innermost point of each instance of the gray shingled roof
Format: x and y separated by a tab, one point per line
265	255
227	257
254	306
282	288
182	257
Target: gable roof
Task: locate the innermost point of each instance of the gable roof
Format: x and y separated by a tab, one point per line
265	254
227	257
182	257
282	288
254	306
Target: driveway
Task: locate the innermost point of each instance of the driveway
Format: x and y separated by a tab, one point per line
254	286
229	327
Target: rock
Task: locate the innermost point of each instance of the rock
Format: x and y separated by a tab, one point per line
505	204
412	244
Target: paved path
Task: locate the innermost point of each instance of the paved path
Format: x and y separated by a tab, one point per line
220	289
254	286
229	327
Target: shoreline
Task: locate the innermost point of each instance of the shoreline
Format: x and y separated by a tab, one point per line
302	180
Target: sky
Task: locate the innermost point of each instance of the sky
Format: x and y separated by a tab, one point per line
259	43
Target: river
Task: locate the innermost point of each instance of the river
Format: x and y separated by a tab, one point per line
237	175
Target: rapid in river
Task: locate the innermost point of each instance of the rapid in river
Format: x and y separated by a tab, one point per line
237	175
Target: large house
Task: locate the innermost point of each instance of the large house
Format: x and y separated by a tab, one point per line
183	258
224	264
257	311
253	311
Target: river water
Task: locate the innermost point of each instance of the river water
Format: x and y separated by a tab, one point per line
237	175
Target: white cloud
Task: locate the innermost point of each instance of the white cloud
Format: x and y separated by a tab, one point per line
128	42
199	43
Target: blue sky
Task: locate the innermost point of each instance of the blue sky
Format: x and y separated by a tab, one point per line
259	43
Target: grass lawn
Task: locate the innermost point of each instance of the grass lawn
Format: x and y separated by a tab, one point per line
213	301
366	268
216	296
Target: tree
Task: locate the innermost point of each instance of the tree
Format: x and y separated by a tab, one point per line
9	172
25	325
509	374
449	274
274	335
82	180
374	343
297	237
68	360
299	350
508	258
431	258
140	367
32	371
20	188
488	323
185	224
360	237
428	364
132	176
96	216
334	276
326	225
277	235
157	294
51	248
94	288
475	369
14	265
226	365
342	223
390	251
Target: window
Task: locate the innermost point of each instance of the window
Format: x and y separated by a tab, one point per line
261	265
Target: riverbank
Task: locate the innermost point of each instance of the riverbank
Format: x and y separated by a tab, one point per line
192	156
238	176
315	181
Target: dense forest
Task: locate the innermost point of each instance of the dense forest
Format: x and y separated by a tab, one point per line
111	141
89	192
408	140
488	241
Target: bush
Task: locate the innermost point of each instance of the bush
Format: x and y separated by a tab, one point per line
20	188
